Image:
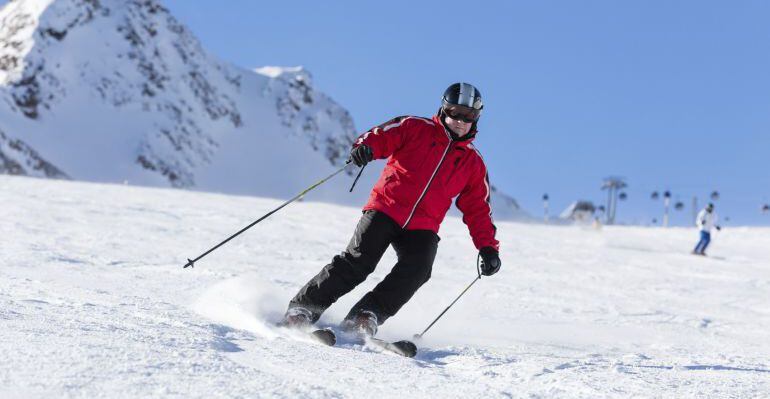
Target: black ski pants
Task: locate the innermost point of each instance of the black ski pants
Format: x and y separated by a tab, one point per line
415	249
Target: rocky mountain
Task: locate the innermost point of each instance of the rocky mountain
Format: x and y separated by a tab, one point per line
120	91
17	158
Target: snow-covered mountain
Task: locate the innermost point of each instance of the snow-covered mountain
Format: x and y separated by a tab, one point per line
120	91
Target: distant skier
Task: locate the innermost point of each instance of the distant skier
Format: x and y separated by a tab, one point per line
705	221
430	161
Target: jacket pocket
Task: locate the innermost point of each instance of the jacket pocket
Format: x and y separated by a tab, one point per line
389	186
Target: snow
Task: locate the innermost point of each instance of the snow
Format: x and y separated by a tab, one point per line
276	71
94	302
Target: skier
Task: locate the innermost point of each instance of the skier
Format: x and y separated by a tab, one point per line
706	219
429	162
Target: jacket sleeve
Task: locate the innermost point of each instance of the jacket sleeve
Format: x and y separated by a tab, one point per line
386	138
700	220
474	203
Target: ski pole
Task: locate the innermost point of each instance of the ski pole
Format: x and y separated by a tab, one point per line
357	176
418	336
191	262
478	277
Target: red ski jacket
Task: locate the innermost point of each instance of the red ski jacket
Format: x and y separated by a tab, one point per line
425	170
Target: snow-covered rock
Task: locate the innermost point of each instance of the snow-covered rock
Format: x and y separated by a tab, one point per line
17	158
309	113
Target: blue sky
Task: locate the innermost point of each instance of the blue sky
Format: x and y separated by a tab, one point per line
668	94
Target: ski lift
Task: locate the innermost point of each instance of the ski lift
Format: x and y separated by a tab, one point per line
623	196
679	206
545	197
715	195
765	208
654	195
667	194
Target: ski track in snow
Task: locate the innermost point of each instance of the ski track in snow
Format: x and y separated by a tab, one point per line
94	303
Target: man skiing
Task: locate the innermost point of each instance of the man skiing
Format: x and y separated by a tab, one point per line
705	221
429	162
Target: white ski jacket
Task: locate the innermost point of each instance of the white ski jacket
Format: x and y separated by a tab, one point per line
706	220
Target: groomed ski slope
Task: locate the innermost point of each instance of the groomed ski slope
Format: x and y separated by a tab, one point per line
94	303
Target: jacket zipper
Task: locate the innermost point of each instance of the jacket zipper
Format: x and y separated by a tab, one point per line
425	190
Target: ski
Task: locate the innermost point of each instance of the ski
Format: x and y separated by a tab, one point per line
404	348
324	336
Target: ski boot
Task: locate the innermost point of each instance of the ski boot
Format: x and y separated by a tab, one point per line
297	318
363	323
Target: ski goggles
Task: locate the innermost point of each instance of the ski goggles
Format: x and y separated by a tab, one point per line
462	113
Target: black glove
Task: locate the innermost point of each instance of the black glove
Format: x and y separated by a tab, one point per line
361	155
490	261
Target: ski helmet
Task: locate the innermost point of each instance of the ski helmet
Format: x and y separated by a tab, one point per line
462	101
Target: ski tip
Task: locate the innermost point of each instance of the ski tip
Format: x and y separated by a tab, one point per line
325	336
407	348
